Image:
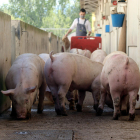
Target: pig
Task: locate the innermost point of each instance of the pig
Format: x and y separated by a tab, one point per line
120	77
71	97
67	72
101	56
116	52
24	81
108	100
98	56
44	56
76	51
85	52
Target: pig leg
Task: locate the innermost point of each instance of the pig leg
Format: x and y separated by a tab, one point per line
13	113
124	105
57	105
96	97
101	103
132	103
75	100
80	101
61	96
29	114
76	96
41	97
70	98
54	92
109	101
116	103
49	96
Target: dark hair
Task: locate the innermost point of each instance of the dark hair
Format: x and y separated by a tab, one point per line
83	10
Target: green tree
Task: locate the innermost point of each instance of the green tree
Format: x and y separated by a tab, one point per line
45	13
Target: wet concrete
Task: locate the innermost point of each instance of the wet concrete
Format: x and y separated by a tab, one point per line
78	125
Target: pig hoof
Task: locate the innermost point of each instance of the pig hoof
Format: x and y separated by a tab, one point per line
116	117
29	116
63	111
131	117
95	107
124	113
79	108
99	111
64	114
12	114
39	111
71	108
76	101
58	113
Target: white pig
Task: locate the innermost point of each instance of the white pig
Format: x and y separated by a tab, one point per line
23	82
66	72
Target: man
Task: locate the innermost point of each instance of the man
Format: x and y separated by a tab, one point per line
81	25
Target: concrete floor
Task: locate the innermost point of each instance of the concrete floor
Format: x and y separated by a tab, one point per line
76	126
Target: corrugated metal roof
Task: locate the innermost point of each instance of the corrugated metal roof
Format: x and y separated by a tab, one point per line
89	5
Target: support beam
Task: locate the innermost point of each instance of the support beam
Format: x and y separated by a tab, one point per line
89	5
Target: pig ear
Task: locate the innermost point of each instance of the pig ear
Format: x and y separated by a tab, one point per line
8	92
31	89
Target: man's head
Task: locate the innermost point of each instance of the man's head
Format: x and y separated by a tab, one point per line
82	13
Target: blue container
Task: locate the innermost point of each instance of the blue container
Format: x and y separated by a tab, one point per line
98	35
107	28
117	20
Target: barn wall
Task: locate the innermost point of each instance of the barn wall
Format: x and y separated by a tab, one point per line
110	41
5	57
29	39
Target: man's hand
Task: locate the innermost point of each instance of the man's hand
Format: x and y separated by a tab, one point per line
88	36
69	31
65	36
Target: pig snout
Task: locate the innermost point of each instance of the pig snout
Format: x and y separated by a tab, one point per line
22	114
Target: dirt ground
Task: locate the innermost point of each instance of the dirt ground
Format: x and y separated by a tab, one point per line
78	125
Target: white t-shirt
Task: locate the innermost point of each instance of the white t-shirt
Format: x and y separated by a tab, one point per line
81	21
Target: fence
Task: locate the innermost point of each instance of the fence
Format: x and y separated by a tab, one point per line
16	38
5	56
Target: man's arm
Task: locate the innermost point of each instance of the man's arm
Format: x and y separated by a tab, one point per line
73	26
89	33
69	31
